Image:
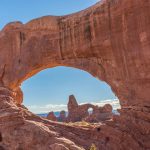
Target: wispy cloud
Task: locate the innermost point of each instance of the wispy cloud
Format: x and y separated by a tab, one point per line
53	107
47	108
114	102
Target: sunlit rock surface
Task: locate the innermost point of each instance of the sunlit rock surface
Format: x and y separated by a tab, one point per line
78	113
51	116
81	112
110	40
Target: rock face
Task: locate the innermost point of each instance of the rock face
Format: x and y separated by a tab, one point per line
51	116
62	116
81	112
110	40
73	108
100	114
72	103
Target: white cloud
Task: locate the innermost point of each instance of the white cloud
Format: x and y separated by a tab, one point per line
114	102
59	107
47	108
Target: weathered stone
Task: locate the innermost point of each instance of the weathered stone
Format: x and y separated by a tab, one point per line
107	108
110	40
51	116
58	147
72	103
81	112
62	116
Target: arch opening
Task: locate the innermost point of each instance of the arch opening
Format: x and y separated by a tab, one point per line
90	111
49	90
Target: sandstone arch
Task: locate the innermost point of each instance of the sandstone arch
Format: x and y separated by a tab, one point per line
77	113
99	40
111	40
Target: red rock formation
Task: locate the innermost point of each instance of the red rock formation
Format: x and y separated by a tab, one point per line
80	112
75	113
62	116
100	114
51	116
72	103
106	108
110	40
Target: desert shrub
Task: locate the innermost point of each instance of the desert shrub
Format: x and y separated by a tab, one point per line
93	147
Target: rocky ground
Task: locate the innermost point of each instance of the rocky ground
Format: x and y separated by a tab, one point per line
22	130
111	41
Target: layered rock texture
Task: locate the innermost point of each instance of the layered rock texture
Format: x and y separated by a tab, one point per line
82	112
86	112
51	116
61	118
110	40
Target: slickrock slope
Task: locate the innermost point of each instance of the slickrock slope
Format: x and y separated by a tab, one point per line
110	40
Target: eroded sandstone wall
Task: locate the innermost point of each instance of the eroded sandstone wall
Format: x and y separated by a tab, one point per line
110	40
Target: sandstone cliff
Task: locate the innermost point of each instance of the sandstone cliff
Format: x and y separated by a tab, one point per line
110	40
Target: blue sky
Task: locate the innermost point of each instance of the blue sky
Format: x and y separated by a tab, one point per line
49	89
25	10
